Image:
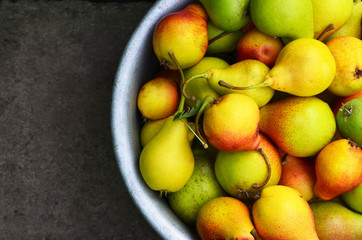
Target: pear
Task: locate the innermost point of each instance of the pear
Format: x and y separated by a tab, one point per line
224	218
349	120
282	213
346	51
335	221
244	174
231	123
200	188
243	73
304	67
185	34
353	199
330	14
149	129
167	162
221	41
299	126
299	173
228	15
288	19
338	169
353	25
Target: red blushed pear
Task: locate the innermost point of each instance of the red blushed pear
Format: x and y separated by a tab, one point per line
299	173
231	123
224	218
260	46
185	34
339	101
338	169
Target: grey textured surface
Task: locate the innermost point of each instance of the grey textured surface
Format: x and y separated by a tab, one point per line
59	176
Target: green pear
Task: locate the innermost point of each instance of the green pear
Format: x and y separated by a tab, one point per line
349	120
353	25
221	41
229	15
167	162
200	188
353	199
288	19
299	126
335	221
329	16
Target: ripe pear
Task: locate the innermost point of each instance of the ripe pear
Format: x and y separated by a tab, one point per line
282	213
224	218
349	120
299	173
229	15
244	174
167	162
288	19
185	34
338	169
200	188
326	12
346	51
353	25
221	41
243	73
299	126
335	221
231	123
304	67
353	199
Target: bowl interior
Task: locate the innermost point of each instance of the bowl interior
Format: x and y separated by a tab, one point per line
138	65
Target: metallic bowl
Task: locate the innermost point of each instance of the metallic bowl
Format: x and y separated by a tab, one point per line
137	66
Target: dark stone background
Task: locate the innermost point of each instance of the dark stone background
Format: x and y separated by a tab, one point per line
59	176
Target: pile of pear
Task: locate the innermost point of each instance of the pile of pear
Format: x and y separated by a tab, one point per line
252	125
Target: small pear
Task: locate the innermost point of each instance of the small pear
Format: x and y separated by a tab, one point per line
288	19
231	123
200	188
167	161
185	34
149	129
299	126
330	12
338	169
224	218
353	25
353	199
228	15
335	221
282	213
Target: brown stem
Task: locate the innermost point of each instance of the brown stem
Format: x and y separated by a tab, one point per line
255	234
218	37
327	29
266	159
267	82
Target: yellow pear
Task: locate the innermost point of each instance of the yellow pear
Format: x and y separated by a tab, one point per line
282	213
330	14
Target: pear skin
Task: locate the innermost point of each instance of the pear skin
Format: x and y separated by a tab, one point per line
335	221
353	199
224	218
338	169
185	34
167	161
281	213
299	126
231	123
326	12
299	173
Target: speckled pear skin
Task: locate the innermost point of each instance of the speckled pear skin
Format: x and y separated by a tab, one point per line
299	126
183	32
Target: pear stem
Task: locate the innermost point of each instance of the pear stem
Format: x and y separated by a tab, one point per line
327	29
183	86
223	34
201	140
255	234
182	98
256	185
267	82
206	102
